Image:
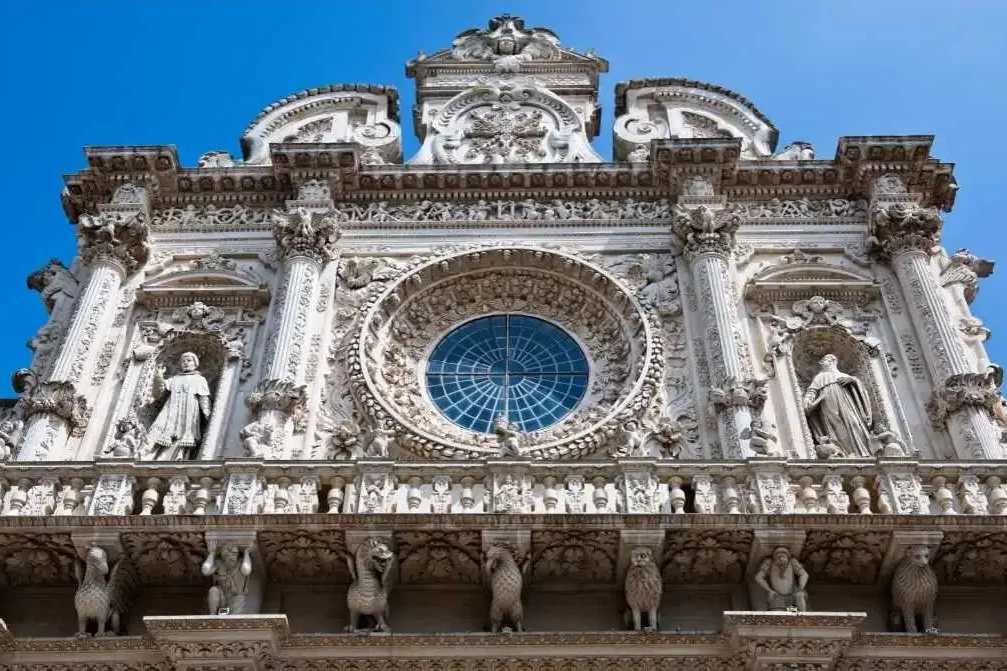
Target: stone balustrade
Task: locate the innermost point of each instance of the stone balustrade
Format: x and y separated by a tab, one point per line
631	486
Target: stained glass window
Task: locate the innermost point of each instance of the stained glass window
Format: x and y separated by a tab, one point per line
522	367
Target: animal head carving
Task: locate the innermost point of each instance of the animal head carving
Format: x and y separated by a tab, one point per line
641	556
97	558
918	555
375	553
499	555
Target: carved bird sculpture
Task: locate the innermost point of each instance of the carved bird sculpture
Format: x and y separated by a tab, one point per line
105	594
505	577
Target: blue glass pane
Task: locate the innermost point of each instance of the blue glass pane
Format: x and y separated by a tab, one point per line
522	367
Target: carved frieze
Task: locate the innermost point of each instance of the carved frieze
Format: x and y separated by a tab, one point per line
316	556
844	557
166	558
706	556
438	557
574	556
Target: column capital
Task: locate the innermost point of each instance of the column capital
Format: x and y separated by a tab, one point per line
310	232
59	398
903	226
964	390
118	234
705	230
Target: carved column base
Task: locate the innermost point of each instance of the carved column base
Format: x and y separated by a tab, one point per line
213	642
765	640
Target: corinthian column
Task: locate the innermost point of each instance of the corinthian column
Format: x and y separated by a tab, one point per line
113	244
706	236
906	235
306	236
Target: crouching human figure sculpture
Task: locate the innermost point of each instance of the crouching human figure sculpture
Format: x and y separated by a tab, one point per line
643	589
914	592
505	577
371	570
230	580
105	593
783	579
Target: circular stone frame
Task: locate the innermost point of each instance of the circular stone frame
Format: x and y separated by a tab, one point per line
387	363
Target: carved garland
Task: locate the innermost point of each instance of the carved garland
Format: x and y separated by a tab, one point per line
407	318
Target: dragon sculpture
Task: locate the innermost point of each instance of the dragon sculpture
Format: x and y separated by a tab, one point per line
371	570
505	577
105	594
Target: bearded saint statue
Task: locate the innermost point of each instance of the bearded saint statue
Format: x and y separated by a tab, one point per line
178	425
838	410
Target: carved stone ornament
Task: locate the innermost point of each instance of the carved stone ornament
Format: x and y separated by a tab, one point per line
52	281
105	593
410	314
782	577
371	567
914	592
803	208
58	398
527	210
306	232
965	390
230	567
216	158
505	576
512	121
643	588
965	268
119	235
796	151
211	218
900	227
703	230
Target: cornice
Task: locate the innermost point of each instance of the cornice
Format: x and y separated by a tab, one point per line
858	161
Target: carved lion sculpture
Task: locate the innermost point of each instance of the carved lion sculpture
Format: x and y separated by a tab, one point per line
505	578
914	591
103	596
643	589
371	571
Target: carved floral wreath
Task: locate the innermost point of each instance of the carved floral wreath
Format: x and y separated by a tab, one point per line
402	323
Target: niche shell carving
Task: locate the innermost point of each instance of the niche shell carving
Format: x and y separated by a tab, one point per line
406	320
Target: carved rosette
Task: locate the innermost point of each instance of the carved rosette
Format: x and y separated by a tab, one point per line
901	227
117	235
58	398
409	316
307	233
703	230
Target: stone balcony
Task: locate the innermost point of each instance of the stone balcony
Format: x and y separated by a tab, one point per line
629	486
709	525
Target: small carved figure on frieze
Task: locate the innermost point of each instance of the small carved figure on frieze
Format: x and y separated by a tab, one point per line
9	428
643	590
505	578
257	438
371	568
508	436
178	426
839	412
128	439
784	580
628	441
105	593
380	442
230	579
914	592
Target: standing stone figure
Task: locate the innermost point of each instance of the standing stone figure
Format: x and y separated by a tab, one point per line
839	411
177	427
643	589
914	592
784	579
505	577
230	580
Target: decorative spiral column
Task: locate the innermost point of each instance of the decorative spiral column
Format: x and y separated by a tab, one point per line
706	236
906	235
113	244
307	237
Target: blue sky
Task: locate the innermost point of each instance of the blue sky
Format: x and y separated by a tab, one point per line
194	74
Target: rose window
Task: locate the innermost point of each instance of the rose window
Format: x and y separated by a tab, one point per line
524	368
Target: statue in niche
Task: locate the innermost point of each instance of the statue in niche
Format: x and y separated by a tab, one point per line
230	579
178	426
839	412
784	580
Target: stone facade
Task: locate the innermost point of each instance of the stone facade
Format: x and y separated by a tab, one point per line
787	451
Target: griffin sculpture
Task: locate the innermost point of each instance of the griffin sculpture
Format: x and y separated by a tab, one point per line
104	595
